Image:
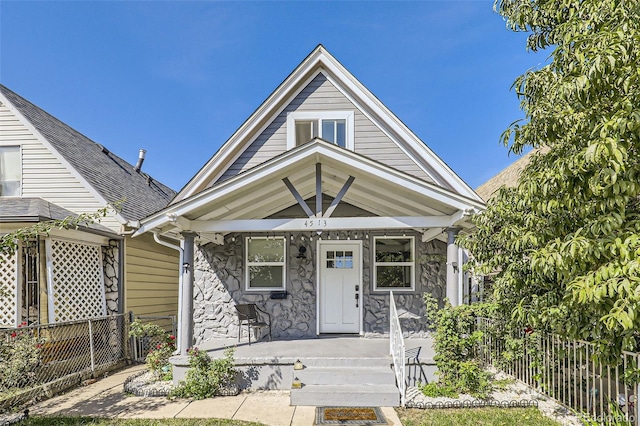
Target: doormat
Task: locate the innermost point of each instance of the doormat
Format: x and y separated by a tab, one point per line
349	416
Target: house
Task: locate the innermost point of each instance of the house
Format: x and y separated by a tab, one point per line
315	209
50	171
507	177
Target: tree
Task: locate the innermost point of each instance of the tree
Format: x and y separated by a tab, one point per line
565	242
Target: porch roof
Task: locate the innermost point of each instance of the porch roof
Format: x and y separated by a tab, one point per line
243	202
28	210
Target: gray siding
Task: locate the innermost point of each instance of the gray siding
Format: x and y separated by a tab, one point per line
321	95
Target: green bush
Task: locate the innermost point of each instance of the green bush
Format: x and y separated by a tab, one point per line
157	359
435	390
19	359
206	377
455	342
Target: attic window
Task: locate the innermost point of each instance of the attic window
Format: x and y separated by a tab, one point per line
334	131
333	126
305	131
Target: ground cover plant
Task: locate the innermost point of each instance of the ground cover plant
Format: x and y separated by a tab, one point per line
474	417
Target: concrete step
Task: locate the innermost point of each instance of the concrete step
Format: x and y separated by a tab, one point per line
355	382
346	375
346	396
347	362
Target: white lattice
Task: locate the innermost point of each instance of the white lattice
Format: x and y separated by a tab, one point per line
8	289
77	287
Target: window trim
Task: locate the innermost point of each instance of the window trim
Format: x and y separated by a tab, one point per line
412	264
20	182
294	116
247	264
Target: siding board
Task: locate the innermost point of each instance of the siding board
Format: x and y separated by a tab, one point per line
321	95
151	272
45	177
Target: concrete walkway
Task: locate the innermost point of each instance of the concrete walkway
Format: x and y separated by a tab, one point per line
105	398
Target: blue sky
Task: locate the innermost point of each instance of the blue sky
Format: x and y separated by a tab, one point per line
178	78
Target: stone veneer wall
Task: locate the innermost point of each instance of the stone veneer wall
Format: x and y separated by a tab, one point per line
431	277
110	259
219	285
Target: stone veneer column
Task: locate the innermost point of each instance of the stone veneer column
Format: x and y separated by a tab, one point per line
186	311
452	266
111	260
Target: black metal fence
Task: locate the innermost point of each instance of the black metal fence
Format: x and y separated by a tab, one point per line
141	345
568	371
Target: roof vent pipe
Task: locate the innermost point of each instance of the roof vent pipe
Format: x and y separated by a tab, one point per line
140	159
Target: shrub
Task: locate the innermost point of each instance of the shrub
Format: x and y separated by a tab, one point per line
19	359
206	377
157	359
455	342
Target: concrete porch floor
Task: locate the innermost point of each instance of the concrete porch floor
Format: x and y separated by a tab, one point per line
326	346
265	365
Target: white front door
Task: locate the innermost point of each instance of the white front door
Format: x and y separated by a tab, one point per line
340	287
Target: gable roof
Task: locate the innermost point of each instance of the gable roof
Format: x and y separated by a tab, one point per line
320	60
111	177
260	192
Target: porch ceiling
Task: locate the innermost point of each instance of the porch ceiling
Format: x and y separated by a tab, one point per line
261	192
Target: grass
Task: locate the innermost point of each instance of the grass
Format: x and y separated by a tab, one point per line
474	416
93	421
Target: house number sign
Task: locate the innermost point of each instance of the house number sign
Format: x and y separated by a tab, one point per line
315	223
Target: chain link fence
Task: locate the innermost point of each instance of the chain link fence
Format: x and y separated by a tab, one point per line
45	359
568	371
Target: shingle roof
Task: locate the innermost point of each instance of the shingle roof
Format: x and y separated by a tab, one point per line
507	177
108	174
37	210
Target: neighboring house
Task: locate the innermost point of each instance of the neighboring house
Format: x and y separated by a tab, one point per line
50	171
317	207
507	177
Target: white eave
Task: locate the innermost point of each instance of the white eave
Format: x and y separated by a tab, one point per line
242	203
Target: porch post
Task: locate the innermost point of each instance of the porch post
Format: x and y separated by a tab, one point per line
186	311
453	267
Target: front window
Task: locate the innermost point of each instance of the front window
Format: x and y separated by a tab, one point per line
333	126
265	263
10	171
394	263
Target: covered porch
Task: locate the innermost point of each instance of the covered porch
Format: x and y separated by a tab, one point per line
318	236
